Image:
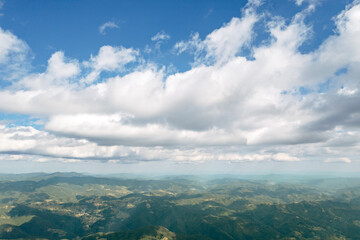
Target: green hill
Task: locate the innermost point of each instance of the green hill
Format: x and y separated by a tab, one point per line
74	206
147	233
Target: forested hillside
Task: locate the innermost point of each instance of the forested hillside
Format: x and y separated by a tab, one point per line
75	206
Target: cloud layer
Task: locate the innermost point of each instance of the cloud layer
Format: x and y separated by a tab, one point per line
276	104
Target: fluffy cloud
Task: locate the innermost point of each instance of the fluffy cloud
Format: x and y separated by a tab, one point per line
58	73
226	42
109	59
278	105
112	58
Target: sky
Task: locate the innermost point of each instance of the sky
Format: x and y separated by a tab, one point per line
233	86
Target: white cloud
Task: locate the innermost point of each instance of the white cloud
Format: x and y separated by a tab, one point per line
194	45
59	69
114	129
226	42
347	92
280	157
102	28
27	143
299	2
113	58
226	107
14	56
58	73
160	36
109	59
338	160
253	4
312	3
9	45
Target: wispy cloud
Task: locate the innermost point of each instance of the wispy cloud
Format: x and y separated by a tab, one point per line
338	160
160	36
208	13
1	6
14	56
102	28
224	43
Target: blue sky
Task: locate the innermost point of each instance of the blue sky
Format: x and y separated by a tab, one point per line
135	85
73	26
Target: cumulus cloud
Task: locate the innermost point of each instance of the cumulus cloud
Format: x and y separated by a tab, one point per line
226	42
102	28
226	107
113	58
59	69
109	59
58	73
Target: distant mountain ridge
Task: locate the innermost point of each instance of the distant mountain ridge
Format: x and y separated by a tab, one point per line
79	206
